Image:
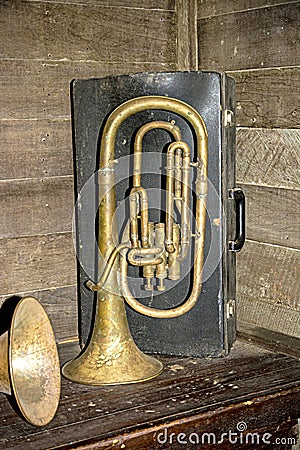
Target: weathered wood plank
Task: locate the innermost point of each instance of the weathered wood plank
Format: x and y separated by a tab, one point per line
269	274
277	342
187	430
268	156
86	32
193	396
187	44
41	89
268	98
273	317
44	91
151	4
260	38
35	148
37	262
272	215
61	307
36	206
208	8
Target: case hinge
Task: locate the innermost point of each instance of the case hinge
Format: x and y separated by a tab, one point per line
230	308
228	118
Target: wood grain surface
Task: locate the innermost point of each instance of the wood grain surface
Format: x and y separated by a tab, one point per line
265	37
37	262
268	98
273	340
60	305
209	8
46	148
268	157
151	4
81	32
187	44
269	273
252	385
36	206
272	215
41	89
273	317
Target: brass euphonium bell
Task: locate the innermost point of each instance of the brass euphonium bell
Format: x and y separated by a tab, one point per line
111	356
29	364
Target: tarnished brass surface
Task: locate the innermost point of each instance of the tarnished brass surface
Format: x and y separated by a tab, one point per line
111	356
5	386
29	364
173	188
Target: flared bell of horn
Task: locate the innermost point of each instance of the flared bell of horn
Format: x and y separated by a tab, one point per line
29	363
111	356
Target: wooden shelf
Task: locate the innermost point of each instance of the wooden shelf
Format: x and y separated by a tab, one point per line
252	387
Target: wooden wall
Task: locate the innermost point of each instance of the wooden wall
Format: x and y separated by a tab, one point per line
46	44
43	46
257	42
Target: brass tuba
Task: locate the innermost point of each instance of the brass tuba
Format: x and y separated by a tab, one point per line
111	356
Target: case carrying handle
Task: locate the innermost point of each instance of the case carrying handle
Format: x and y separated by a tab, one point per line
238	196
